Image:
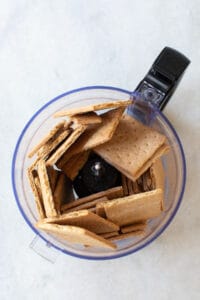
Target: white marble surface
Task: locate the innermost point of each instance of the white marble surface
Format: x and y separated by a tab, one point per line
48	47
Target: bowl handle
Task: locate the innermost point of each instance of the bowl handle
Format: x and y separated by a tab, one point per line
44	249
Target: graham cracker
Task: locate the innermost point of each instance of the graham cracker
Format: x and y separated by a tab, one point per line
77	235
130	186
93	107
46	190
135	227
38	187
87	118
70	197
95	134
133	147
35	186
60	192
135	208
100	211
123	236
140	183
85	219
45	150
75	164
90	204
33	166
46	138
146	181
53	176
65	145
110	194
65	158
92	209
109	234
135	187
161	151
157	175
124	185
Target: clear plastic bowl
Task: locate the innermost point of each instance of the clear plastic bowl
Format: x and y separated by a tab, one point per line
39	125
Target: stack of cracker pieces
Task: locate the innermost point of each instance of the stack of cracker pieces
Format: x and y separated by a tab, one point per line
100	219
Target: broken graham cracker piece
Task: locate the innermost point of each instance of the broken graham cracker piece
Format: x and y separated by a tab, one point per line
46	190
91	204
110	194
35	186
77	235
95	134
133	147
66	144
135	208
46	138
134	227
75	164
87	118
123	236
84	219
93	107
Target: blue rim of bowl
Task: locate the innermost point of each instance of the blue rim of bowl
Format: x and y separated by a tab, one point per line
71	253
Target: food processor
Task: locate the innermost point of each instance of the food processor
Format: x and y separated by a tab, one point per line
149	99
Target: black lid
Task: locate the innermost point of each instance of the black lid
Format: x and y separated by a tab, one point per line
171	63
